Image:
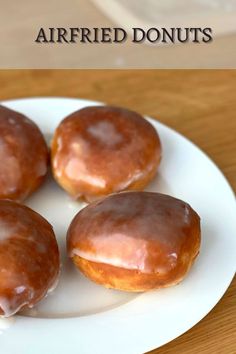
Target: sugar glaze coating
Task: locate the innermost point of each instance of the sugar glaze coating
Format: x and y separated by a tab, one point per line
23	155
154	235
29	257
101	150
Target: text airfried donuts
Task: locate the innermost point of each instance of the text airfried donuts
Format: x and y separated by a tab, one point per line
23	155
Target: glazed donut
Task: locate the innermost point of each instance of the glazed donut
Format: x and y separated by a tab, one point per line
29	258
101	150
135	241
23	155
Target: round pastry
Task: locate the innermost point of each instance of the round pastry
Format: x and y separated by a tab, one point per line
29	258
23	155
101	150
135	241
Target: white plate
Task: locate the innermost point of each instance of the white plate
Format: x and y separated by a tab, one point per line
82	317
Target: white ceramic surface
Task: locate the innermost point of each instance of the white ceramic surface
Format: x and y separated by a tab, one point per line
81	317
217	14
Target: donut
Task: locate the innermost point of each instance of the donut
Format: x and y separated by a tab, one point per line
135	241
29	258
101	150
23	156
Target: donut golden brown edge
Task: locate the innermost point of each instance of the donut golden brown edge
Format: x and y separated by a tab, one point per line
135	241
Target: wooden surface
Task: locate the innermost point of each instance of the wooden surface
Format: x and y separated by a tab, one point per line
199	104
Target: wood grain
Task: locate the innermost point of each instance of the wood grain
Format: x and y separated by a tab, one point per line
200	104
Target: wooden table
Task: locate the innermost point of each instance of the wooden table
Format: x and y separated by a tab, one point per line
199	104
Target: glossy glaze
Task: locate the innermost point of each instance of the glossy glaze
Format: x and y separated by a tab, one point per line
101	150
29	257
23	155
148	233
